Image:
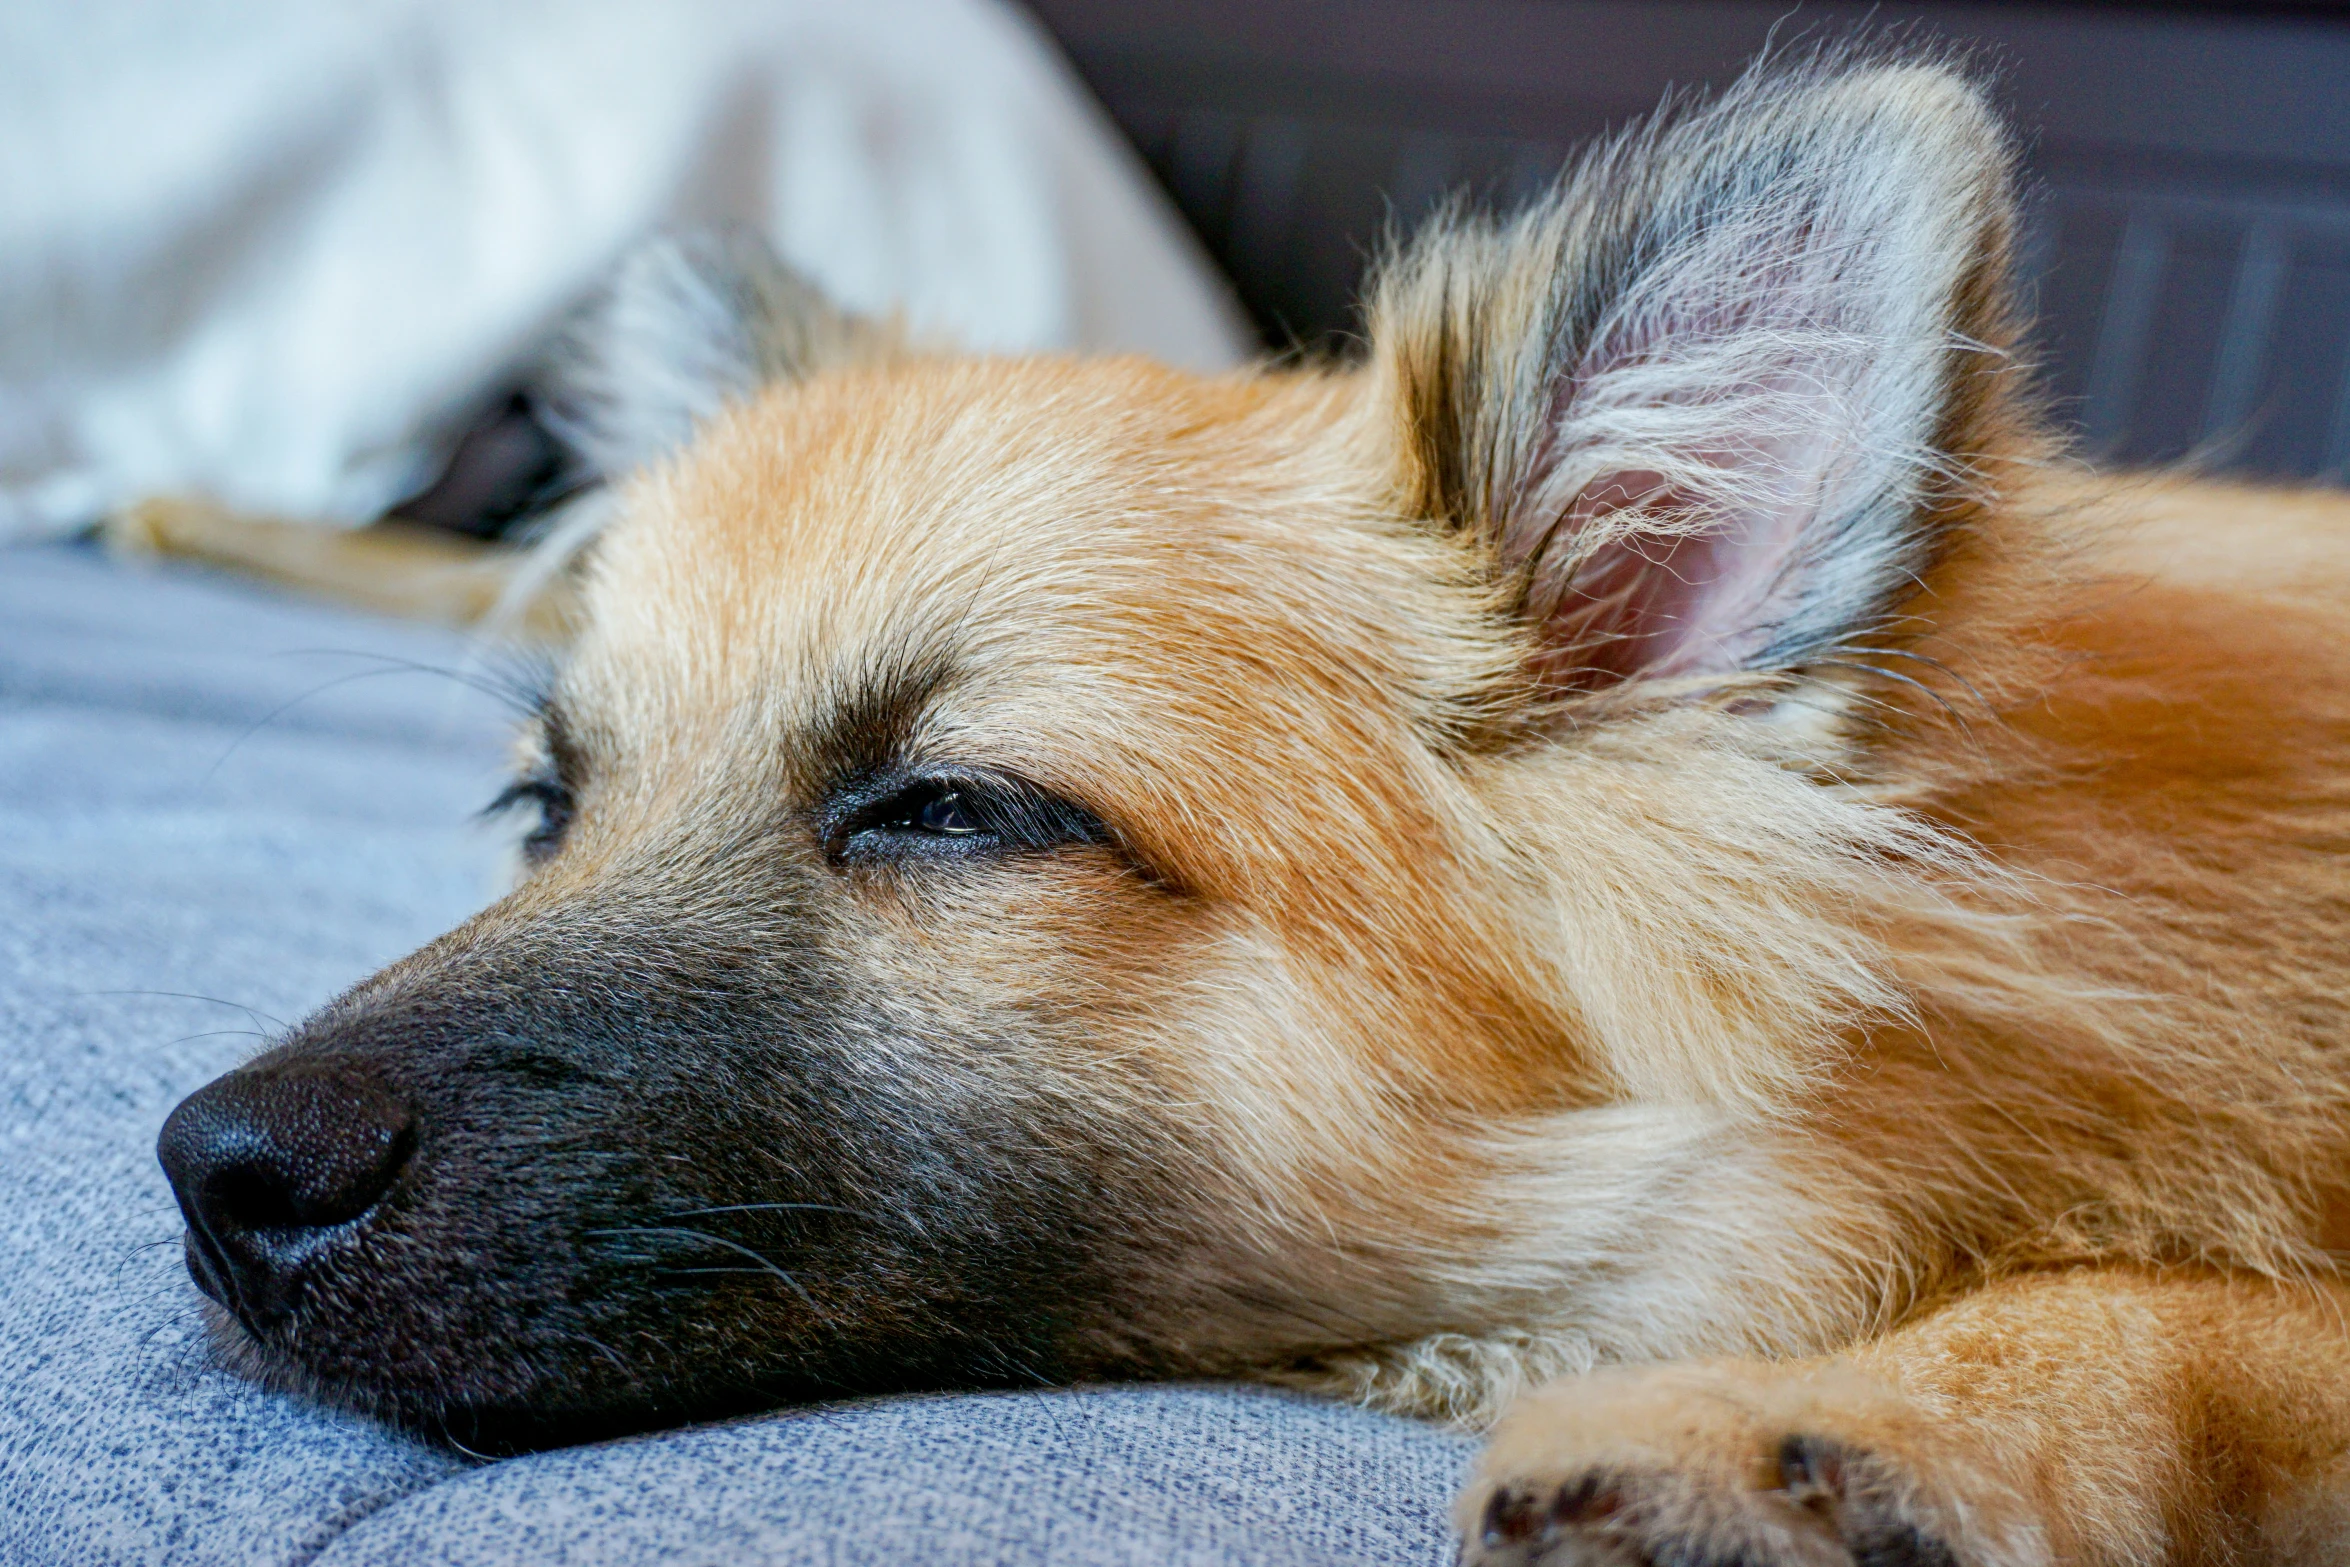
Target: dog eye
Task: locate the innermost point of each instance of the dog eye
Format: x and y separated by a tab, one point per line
952	818
553	804
936	810
946	813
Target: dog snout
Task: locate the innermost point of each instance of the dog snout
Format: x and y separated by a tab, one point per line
268	1166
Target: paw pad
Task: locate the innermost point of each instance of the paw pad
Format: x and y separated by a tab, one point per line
1811	1471
1516	1515
1833	1506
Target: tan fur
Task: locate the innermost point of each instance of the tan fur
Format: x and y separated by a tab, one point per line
2059	986
1947	1070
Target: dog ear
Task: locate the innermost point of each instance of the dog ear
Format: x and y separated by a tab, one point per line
690	323
1712	403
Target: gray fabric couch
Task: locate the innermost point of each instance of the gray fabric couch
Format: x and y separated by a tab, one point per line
218	807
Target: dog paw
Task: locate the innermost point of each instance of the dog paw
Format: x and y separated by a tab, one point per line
1706	1467
1831	1506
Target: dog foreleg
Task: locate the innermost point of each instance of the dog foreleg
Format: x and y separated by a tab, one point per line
390	567
2091	1416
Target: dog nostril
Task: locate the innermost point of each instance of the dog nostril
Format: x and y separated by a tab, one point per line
245	1196
262	1161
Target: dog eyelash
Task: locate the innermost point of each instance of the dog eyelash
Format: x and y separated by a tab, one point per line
956	817
551	799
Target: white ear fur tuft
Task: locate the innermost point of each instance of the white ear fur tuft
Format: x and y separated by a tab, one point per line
1704	400
690	323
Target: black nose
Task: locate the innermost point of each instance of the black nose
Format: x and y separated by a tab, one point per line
267	1163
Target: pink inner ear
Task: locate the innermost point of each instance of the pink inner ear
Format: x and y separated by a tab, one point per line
1701	594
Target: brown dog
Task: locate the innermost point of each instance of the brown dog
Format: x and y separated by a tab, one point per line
1645	858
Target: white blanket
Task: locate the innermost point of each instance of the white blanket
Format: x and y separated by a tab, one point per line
277	252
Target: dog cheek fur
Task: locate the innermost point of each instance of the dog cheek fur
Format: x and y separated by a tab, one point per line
1681	912
1613	1174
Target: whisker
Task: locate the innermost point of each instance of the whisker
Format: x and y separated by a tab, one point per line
219	1033
687	1273
176	1319
141	1253
283	708
255	1013
520	694
776	1207
765	1263
450	1437
1044	1385
606	1350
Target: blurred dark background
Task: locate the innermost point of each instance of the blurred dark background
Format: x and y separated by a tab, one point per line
2189	205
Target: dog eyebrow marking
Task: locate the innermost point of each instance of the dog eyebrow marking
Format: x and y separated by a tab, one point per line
870	722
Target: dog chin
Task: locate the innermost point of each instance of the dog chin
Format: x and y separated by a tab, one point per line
482	1416
488	1400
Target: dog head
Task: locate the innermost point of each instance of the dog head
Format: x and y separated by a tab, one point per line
1053	869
